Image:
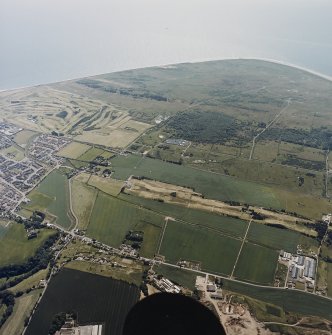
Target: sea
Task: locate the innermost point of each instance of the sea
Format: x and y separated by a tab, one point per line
48	41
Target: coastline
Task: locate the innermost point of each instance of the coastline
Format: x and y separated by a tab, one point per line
275	61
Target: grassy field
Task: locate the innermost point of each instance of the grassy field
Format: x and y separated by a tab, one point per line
22	309
13	152
3	228
276	238
107	185
182	277
213	186
31	281
52	195
15	248
73	150
223	224
83	199
90	154
131	276
289	300
256	264
112	218
216	253
23	137
152	233
329	279
309	206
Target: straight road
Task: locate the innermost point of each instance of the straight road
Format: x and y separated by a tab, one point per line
238	255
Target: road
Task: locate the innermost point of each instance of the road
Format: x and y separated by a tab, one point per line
267	127
162	236
71	205
238	255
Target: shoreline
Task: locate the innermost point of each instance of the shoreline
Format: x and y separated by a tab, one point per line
269	60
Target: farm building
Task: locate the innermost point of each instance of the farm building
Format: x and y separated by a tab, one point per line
309	267
295	272
300	261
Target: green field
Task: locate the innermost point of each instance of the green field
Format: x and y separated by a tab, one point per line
226	225
83	199
256	264
3	229
112	218
22	309
216	252
23	137
151	237
15	248
91	154
289	300
215	186
329	279
276	238
52	196
14	152
182	277
73	150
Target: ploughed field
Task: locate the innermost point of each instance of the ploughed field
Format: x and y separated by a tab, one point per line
94	298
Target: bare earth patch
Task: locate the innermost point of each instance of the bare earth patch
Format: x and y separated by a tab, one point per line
183	196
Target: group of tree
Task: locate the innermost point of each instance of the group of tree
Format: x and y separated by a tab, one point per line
35	263
6	298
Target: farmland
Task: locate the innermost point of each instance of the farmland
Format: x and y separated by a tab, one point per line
109	186
105	300
289	300
22	309
111	219
215	252
213	186
90	154
83	198
218	143
278	239
222	187
259	271
52	196
15	248
73	150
